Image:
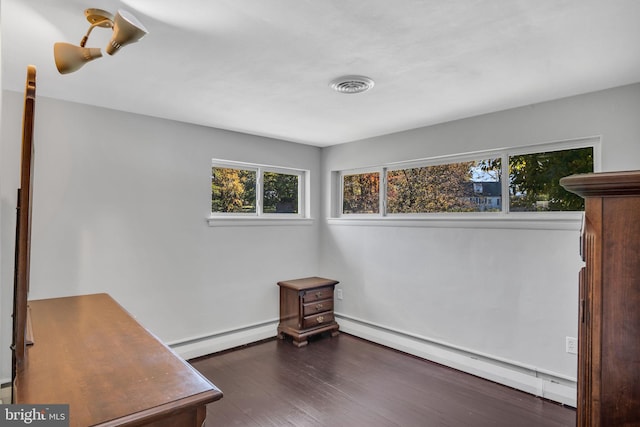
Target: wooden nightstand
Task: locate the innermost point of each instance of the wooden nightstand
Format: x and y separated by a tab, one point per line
306	308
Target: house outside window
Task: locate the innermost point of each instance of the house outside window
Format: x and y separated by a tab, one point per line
506	181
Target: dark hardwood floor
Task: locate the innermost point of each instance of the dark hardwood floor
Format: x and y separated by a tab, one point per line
346	381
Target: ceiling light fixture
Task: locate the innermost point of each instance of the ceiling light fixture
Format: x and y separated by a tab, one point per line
351	84
126	30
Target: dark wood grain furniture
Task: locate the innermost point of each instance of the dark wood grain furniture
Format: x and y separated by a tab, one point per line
306	308
609	319
23	228
88	352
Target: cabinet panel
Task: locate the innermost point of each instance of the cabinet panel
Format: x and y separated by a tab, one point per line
620	370
609	322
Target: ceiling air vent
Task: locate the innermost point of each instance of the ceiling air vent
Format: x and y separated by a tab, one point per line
352	84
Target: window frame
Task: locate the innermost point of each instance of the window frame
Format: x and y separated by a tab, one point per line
436	161
238	167
475	219
591	142
301	192
260	217
380	171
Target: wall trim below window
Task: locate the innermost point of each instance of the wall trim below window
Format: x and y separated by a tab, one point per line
529	221
235	221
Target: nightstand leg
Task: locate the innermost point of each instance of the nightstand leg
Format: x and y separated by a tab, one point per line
300	343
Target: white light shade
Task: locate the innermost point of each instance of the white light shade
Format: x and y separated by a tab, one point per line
70	58
126	30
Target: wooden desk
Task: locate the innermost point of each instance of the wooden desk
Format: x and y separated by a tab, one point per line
91	354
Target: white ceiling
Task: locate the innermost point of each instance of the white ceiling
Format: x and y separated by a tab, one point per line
264	66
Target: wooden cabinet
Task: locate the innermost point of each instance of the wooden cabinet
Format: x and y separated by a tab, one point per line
306	308
89	353
609	319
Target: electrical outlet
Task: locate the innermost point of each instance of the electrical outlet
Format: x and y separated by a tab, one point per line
339	293
572	345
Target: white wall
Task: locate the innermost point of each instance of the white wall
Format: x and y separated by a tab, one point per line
508	294
120	202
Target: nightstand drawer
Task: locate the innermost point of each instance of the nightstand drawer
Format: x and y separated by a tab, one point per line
317	294
317	307
317	320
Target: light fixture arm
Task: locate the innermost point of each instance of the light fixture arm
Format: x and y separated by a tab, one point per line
106	23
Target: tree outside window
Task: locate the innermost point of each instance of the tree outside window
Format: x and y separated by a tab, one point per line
280	193
471	186
534	180
233	190
255	190
450	187
361	193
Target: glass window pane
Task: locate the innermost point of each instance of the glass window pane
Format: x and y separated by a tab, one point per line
233	190
473	186
361	193
280	193
534	180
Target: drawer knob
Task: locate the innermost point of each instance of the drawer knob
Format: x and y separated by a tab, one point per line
319	306
320	319
318	294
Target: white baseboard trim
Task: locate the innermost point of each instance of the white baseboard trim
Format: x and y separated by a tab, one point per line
212	343
549	385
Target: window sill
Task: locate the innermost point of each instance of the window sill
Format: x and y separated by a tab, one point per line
523	221
235	221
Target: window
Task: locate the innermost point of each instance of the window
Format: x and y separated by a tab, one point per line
361	193
280	192
472	183
534	180
239	189
471	186
233	190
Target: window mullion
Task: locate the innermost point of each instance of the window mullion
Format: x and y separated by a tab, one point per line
339	188
383	192
505	182
259	191
301	200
